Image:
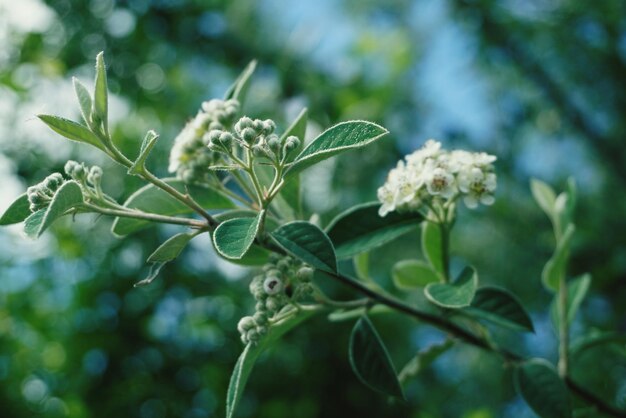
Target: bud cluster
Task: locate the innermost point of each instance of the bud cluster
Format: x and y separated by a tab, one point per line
256	135
433	174
41	194
190	158
90	179
284	281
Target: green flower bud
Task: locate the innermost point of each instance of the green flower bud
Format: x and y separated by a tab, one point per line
305	274
226	139
291	143
260	307
283	265
272	285
273	143
258	126
245	324
268	126
242	124
260	318
95	175
53	181
272	304
253	336
215	126
248	135
261	330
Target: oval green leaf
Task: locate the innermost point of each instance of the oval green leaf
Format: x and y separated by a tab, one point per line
71	130
543	390
556	267
361	229
17	211
544	196
454	295
238	89
154	200
370	360
100	94
233	238
68	196
334	140
84	100
171	248
251	353
413	274
501	307
432	246
308	243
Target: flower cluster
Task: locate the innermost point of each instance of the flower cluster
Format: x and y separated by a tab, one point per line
256	135
284	281
89	179
190	158
432	173
41	194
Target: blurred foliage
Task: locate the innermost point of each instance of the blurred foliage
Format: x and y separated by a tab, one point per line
541	84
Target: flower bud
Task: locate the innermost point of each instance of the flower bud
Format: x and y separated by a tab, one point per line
226	139
272	285
215	126
259	151
245	324
53	181
272	304
273	143
260	318
268	126
258	126
248	135
95	175
291	143
260	307
305	274
242	124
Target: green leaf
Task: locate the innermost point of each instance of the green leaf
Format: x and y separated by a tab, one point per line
254	257
139	165
171	248
308	243
84	100
544	196
17	211
413	274
576	291
68	196
595	339
154	200
423	359
233	238
71	130
251	353
166	252
542	388
360	228
370	360
454	295
432	246
501	307
339	138
556	267
32	224
238	89
362	265
100	94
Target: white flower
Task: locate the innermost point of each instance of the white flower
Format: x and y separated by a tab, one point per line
440	183
433	172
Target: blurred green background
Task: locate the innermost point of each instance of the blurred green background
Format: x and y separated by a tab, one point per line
541	84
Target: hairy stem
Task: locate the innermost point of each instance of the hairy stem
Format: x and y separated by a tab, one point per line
152	217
